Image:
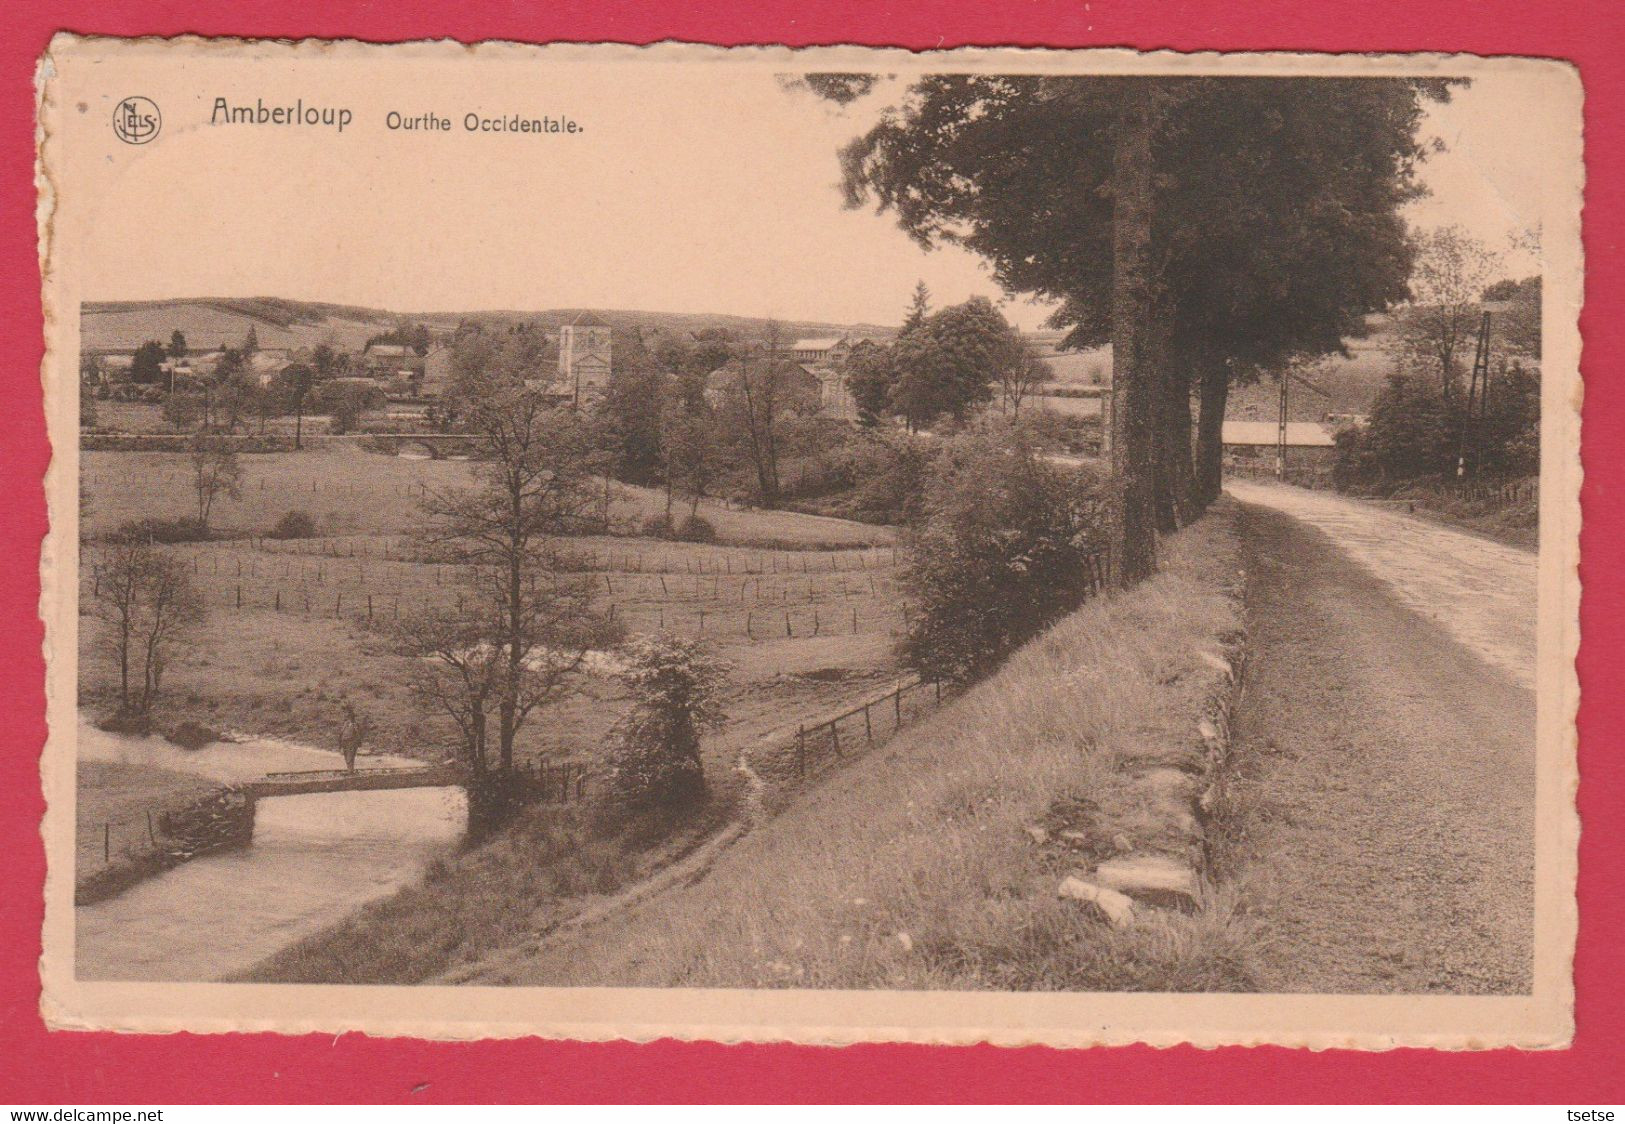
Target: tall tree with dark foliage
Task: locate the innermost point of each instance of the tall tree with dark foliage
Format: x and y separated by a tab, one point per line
1202	226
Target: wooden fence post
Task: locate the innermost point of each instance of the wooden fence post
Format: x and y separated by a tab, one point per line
107	842
801	751
868	729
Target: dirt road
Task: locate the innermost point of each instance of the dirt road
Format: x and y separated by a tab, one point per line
1384	822
1482	592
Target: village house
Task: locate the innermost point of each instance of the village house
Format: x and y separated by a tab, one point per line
392	361
821	349
823	358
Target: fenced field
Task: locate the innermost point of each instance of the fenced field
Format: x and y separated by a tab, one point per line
806	608
717	592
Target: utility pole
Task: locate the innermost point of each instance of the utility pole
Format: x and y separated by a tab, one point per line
1280	432
1478	394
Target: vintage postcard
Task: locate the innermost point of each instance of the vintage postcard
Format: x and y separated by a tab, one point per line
831	545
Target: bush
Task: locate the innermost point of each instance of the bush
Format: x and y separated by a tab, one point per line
696	528
658	526
192	735
890	474
1001	553
163	530
293	525
655	758
1414	433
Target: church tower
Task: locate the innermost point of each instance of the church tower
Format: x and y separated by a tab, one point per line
584	360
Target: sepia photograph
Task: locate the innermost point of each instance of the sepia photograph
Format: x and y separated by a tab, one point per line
1015	546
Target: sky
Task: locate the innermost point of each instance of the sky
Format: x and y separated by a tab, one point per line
701	189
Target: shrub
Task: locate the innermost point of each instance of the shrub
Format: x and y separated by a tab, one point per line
658	526
1000	553
890	474
696	528
1415	433
293	525
163	530
192	735
655	758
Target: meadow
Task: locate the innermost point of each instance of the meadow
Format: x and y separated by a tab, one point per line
804	607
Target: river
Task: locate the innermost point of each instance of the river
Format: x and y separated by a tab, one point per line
314	860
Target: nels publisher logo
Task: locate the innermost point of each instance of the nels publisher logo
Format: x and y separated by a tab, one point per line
136	120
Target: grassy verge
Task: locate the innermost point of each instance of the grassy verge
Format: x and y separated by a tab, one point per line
1515	522
913	868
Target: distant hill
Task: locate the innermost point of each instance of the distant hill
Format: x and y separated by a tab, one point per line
208	322
1344	386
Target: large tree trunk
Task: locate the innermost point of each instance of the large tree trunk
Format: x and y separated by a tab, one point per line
1215	392
1171	440
1133	538
1174	453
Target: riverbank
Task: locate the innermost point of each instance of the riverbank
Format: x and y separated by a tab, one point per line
119	811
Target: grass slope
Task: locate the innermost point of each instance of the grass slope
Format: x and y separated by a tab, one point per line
913	867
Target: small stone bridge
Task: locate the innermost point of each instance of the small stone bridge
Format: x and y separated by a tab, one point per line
437	445
359	780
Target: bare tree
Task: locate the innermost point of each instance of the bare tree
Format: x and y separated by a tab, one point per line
464	664
525	618
758	399
1021	375
1448	281
216	471
690	449
146	601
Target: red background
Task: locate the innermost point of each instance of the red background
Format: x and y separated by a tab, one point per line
37	1067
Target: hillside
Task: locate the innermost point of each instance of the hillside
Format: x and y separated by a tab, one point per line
1341	385
278	323
210	322
915	867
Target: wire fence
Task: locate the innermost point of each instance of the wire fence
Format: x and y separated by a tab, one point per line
860	727
757	596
